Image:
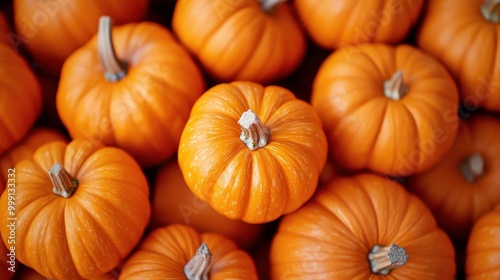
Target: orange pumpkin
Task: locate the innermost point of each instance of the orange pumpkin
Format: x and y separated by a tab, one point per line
141	108
464	185
483	247
390	109
362	227
174	203
180	252
20	97
334	24
252	152
463	36
53	29
252	40
89	203
4	29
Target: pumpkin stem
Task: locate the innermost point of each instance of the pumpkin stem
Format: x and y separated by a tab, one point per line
113	69
64	184
384	259
199	266
253	132
269	5
394	88
472	167
491	10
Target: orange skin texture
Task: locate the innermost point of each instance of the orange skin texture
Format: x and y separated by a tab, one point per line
335	24
174	203
367	130
89	233
52	30
237	40
4	29
457	33
156	95
20	97
165	251
27	273
483	247
254	186
456	203
330	237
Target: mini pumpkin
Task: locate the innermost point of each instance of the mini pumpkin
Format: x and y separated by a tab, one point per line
389	109
334	24
252	152
89	203
464	185
180	252
252	40
141	107
463	36
361	227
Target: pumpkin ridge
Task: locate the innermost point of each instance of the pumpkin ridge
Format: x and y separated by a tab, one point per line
379	129
401	234
417	132
365	192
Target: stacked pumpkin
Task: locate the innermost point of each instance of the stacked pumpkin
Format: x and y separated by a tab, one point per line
249	139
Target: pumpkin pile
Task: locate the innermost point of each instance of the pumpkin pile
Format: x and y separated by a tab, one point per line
249	139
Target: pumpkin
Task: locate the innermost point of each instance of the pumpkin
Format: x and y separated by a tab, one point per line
464	185
20	97
180	252
52	30
25	149
27	273
251	40
483	247
4	29
252	152
388	109
463	36
335	24
361	227
174	203
141	107
90	204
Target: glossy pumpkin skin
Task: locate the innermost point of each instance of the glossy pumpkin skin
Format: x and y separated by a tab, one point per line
108	212
156	95
20	97
174	203
456	203
165	251
52	30
237	40
335	24
255	186
483	247
331	236
457	33
366	129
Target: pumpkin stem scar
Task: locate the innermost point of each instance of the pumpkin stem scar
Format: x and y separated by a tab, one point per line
491	10
472	167
253	132
199	266
384	259
112	68
269	5
64	184
394	88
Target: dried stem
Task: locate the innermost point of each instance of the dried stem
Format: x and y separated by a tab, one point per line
269	5
113	69
253	132
64	184
491	10
394	88
384	259
472	167
198	267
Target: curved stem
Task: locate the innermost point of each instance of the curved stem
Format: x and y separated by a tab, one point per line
64	184
384	259
269	5
472	167
199	266
394	88
491	10
253	132
113	70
